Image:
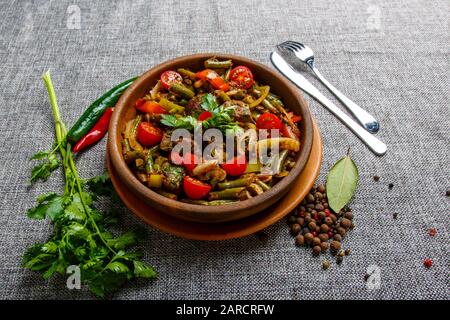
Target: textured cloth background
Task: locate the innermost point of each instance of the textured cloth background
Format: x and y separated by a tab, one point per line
391	57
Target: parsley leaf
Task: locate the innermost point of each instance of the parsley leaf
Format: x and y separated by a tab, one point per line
188	122
49	205
44	169
209	103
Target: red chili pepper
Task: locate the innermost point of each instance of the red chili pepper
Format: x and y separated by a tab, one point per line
97	132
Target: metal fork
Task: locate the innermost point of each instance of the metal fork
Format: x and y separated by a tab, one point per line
306	55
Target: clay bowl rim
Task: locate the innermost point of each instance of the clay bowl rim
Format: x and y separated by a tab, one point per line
126	175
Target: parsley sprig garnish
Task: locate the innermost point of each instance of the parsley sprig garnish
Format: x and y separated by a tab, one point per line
80	236
222	118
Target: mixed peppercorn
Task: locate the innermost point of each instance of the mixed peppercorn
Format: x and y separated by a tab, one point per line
313	224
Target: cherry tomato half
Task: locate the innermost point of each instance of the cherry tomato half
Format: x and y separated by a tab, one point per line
269	121
149	135
149	107
194	188
242	77
236	166
189	160
204	115
170	77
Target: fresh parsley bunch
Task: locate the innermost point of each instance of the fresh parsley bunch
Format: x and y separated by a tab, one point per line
222	118
80	235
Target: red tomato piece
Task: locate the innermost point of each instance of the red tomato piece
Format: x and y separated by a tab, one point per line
293	117
149	135
194	188
149	107
269	121
242	77
170	77
189	160
204	115
236	166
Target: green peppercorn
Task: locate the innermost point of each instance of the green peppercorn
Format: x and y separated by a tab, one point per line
323	237
325	264
339	259
337	237
318	195
300	221
341	253
299	240
333	217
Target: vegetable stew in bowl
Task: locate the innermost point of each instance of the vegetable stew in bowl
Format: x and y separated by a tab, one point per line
212	136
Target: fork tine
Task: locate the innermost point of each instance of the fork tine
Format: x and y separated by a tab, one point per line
296	44
286	46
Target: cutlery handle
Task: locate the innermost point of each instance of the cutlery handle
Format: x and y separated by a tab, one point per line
374	144
365	118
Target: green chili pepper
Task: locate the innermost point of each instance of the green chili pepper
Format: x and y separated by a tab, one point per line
90	117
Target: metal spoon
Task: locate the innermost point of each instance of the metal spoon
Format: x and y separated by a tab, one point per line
306	55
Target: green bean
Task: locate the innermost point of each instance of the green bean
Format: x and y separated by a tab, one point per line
216	64
182	90
226	76
224	96
281	159
269	106
131	156
167	194
200	202
255	188
274	100
170	106
208	203
125	146
232	193
241	182
186	73
150	163
220	202
264	186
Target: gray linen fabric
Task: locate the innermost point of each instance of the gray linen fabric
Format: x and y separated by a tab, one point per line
391	57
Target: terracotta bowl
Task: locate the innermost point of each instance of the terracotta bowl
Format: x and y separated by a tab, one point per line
124	111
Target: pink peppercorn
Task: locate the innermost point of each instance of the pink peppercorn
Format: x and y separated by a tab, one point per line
432	232
427	263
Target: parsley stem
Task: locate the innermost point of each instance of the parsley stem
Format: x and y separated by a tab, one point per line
80	191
